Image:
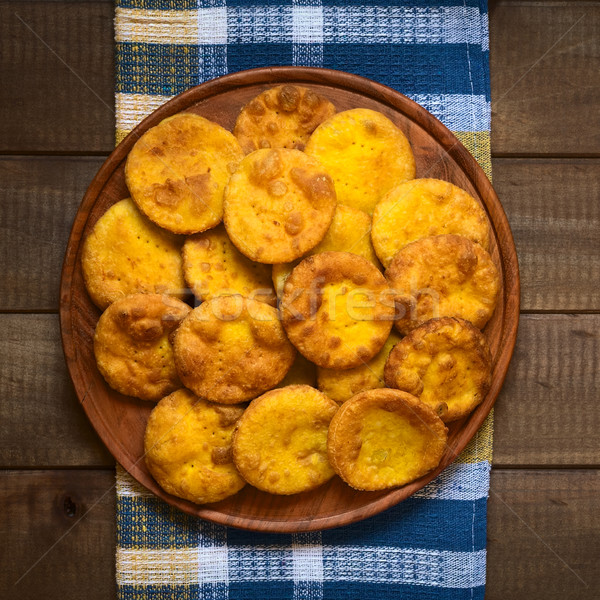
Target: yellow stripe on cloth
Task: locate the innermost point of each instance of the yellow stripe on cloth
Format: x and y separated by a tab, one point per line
478	144
156	26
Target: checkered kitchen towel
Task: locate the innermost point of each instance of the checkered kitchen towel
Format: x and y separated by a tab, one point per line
432	546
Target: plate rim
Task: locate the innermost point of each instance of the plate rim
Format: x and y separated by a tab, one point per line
397	102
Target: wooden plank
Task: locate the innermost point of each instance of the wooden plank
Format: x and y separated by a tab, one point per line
543	532
545	60
39	197
60	532
41	422
551	204
554	213
544	535
57	92
547	412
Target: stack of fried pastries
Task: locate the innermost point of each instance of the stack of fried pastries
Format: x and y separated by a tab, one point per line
244	291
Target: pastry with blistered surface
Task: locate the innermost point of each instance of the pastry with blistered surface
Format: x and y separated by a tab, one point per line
337	310
187	447
422	208
280	443
278	205
342	385
177	171
125	254
281	117
443	276
213	266
365	153
132	345
444	362
350	231
385	438
231	349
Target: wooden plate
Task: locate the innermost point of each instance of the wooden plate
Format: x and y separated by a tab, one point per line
120	421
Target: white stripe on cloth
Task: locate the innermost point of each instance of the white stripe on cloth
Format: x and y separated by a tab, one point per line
307	556
133	108
307	24
409	566
336	24
458	112
371	564
212	25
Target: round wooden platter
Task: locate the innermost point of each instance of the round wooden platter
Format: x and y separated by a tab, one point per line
120	421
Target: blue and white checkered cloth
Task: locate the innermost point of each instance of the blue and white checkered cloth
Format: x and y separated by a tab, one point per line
432	546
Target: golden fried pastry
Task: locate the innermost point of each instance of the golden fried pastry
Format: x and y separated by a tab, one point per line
337	310
445	361
132	345
443	276
365	153
278	205
280	443
188	448
125	253
350	231
281	117
231	349
177	171
213	266
302	372
385	438
422	208
342	385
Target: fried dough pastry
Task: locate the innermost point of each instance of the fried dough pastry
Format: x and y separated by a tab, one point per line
365	153
132	345
125	253
349	232
443	276
342	385
425	207
187	446
337	310
177	171
213	266
281	117
280	443
385	438
444	361
231	349
302	372
278	205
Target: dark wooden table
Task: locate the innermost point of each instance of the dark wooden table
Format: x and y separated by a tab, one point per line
56	128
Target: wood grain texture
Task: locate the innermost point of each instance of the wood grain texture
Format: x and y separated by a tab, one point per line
547	412
45	107
61	525
544	535
121	422
551	205
553	209
39	197
57	93
41	421
553	382
545	59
